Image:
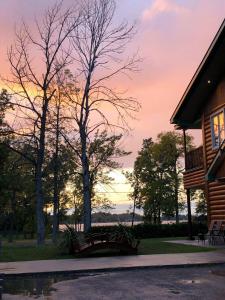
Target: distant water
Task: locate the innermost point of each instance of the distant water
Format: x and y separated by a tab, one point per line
62	227
81	226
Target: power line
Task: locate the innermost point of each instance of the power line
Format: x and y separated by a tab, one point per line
114	192
115	183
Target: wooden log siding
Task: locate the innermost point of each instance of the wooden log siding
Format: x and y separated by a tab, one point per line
216	200
194	179
216	189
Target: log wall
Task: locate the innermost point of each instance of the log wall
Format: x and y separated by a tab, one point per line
216	189
194	179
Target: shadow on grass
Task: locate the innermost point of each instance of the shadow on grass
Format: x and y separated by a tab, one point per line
27	250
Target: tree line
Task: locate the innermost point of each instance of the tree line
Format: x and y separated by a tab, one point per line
62	121
157	177
61	117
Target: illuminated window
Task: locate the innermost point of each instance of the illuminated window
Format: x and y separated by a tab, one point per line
217	127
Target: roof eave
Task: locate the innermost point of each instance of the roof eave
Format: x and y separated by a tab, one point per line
197	76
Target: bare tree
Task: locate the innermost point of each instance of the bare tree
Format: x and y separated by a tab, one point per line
99	47
56	122
57	119
35	59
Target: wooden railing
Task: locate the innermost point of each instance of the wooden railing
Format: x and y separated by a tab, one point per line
194	159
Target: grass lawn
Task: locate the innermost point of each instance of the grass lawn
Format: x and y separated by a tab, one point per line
27	250
158	246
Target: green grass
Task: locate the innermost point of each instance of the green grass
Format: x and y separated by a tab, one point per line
159	246
27	250
23	250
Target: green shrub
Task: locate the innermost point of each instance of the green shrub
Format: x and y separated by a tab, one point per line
123	234
69	240
144	231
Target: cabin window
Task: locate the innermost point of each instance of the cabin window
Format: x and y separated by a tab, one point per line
218	131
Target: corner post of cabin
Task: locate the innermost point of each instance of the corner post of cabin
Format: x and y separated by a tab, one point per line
188	192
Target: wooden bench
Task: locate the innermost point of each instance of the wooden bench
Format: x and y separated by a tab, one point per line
101	242
103	237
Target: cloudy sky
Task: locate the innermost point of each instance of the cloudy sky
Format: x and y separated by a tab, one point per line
172	37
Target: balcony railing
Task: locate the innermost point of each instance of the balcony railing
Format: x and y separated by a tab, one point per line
194	159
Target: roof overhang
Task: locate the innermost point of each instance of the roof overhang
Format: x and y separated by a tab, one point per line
212	68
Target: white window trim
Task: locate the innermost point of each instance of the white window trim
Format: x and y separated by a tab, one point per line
212	127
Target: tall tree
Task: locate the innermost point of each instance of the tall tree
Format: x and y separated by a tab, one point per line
4	135
16	192
56	118
59	167
147	182
99	48
201	204
169	152
157	175
31	84
102	154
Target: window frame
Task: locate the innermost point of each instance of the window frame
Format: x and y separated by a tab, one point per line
218	112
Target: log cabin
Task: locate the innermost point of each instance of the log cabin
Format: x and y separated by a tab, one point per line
203	107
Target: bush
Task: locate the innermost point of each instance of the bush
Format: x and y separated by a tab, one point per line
144	231
69	240
123	234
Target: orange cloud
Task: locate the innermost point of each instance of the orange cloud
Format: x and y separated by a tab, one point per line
172	39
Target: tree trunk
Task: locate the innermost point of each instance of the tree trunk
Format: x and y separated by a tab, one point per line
86	197
159	215
38	181
39	208
177	207
11	217
176	195
133	214
86	182
55	225
155	215
188	193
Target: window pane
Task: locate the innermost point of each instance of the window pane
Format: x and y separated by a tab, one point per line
221	127
216	125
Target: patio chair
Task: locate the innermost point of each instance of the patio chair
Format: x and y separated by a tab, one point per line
223	231
201	237
220	235
214	231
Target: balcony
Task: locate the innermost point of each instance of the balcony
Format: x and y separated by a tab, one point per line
194	159
194	176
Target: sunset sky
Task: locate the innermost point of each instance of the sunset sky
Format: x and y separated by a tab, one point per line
172	37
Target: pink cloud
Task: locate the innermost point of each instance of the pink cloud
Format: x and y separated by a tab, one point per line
162	6
171	48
